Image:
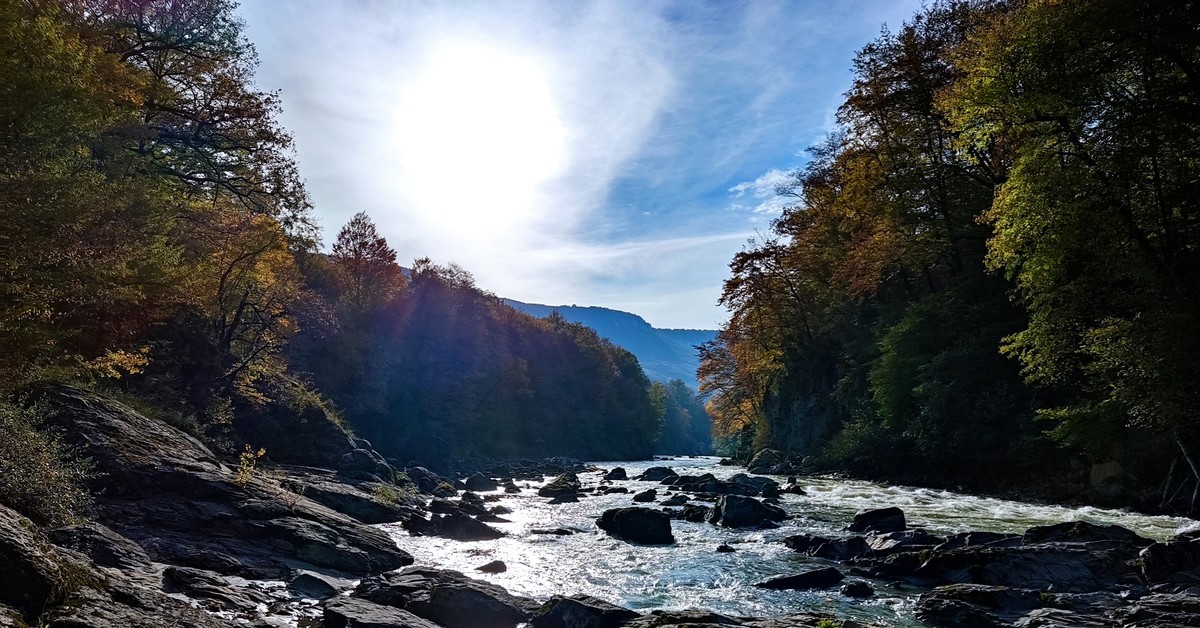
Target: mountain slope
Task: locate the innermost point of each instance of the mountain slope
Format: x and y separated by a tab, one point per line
664	354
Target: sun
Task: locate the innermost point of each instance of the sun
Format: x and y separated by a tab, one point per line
477	133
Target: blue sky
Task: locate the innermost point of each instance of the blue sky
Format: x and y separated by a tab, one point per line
613	153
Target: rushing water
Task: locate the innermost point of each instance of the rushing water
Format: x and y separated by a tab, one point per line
691	574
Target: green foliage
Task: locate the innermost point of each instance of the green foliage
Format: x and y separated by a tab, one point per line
39	476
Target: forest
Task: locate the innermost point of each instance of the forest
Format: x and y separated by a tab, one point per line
159	245
989	276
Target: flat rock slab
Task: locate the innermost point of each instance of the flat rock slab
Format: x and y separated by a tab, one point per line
352	612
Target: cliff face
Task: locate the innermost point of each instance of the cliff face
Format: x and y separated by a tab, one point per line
664	354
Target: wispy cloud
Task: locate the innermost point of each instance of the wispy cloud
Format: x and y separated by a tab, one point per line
666	114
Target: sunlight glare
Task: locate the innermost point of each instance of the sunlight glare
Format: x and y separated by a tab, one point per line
477	133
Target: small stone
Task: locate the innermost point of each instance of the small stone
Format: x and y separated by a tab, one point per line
496	566
725	548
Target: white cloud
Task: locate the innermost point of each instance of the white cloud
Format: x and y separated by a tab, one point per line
762	194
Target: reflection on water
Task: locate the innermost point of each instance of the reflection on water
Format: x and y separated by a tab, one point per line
691	574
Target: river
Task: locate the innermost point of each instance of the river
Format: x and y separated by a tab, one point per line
691	574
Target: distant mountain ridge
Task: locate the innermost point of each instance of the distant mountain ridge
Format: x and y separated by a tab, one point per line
664	354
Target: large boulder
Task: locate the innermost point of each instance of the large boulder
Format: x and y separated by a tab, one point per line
167	492
617	473
581	611
461	527
976	605
565	484
878	520
1160	562
637	525
481	483
736	511
765	461
448	598
1058	566
657	474
365	464
752	486
819	578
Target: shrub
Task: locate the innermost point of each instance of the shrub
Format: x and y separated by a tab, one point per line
40	477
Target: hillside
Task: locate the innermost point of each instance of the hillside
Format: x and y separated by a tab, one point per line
664	354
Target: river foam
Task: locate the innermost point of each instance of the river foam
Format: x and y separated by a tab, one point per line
691	574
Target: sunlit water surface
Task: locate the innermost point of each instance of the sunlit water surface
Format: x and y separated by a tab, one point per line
692	575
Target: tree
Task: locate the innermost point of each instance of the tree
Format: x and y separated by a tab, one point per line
366	266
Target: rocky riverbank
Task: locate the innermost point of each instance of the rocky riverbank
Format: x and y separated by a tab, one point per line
181	537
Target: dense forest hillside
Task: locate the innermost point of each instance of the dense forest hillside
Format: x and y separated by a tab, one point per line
990	274
158	244
665	354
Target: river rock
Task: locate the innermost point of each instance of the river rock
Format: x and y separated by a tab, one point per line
765	461
878	520
840	549
448	598
657	474
315	585
164	490
365	464
617	473
481	483
646	496
736	511
461	527
637	525
752	486
612	490
695	513
361	501
1056	566
1159	562
581	611
977	539
820	578
707	483
352	612
565	484
675	500
496	566
725	548
976	605
1083	532
907	540
857	589
568	498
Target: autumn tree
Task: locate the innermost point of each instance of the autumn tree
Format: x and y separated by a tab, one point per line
366	266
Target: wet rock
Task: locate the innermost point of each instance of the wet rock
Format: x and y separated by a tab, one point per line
448	598
878	520
461	527
637	525
725	549
646	496
820	578
431	483
615	489
694	513
481	483
657	474
496	566
1159	562
793	489
617	473
581	611
358	501
351	612
726	462
569	498
675	500
907	540
553	531
1163	610
857	589
841	549
742	484
565	484
707	483
736	511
